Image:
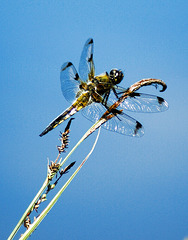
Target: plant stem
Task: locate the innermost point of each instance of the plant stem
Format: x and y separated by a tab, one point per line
56	197
28	209
89	132
46	182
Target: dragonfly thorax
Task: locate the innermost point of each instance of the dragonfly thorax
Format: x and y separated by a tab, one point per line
116	76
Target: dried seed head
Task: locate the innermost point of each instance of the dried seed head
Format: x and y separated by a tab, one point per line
64	138
53	168
43	198
52	186
27	222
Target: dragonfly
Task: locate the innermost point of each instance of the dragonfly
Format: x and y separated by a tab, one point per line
94	94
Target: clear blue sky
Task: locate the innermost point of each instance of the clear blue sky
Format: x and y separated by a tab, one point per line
130	188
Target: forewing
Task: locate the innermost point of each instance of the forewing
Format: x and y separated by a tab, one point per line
121	123
70	81
141	102
86	66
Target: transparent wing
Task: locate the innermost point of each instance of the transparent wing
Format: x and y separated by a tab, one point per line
70	81
126	125
141	102
122	123
86	66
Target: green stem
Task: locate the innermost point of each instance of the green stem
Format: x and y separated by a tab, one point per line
46	210
46	182
89	132
57	196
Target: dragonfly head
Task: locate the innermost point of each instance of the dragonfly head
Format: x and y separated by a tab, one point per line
116	76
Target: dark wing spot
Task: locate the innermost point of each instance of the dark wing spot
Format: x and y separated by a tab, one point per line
68	65
76	76
160	100
91	58
91	41
138	126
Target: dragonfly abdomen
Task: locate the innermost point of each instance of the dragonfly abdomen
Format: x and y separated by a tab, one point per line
80	103
58	120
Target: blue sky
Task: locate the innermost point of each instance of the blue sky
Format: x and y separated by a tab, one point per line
130	188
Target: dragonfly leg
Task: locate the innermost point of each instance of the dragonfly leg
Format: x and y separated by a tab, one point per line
116	94
116	112
105	99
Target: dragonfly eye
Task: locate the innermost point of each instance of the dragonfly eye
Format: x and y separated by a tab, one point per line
116	76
